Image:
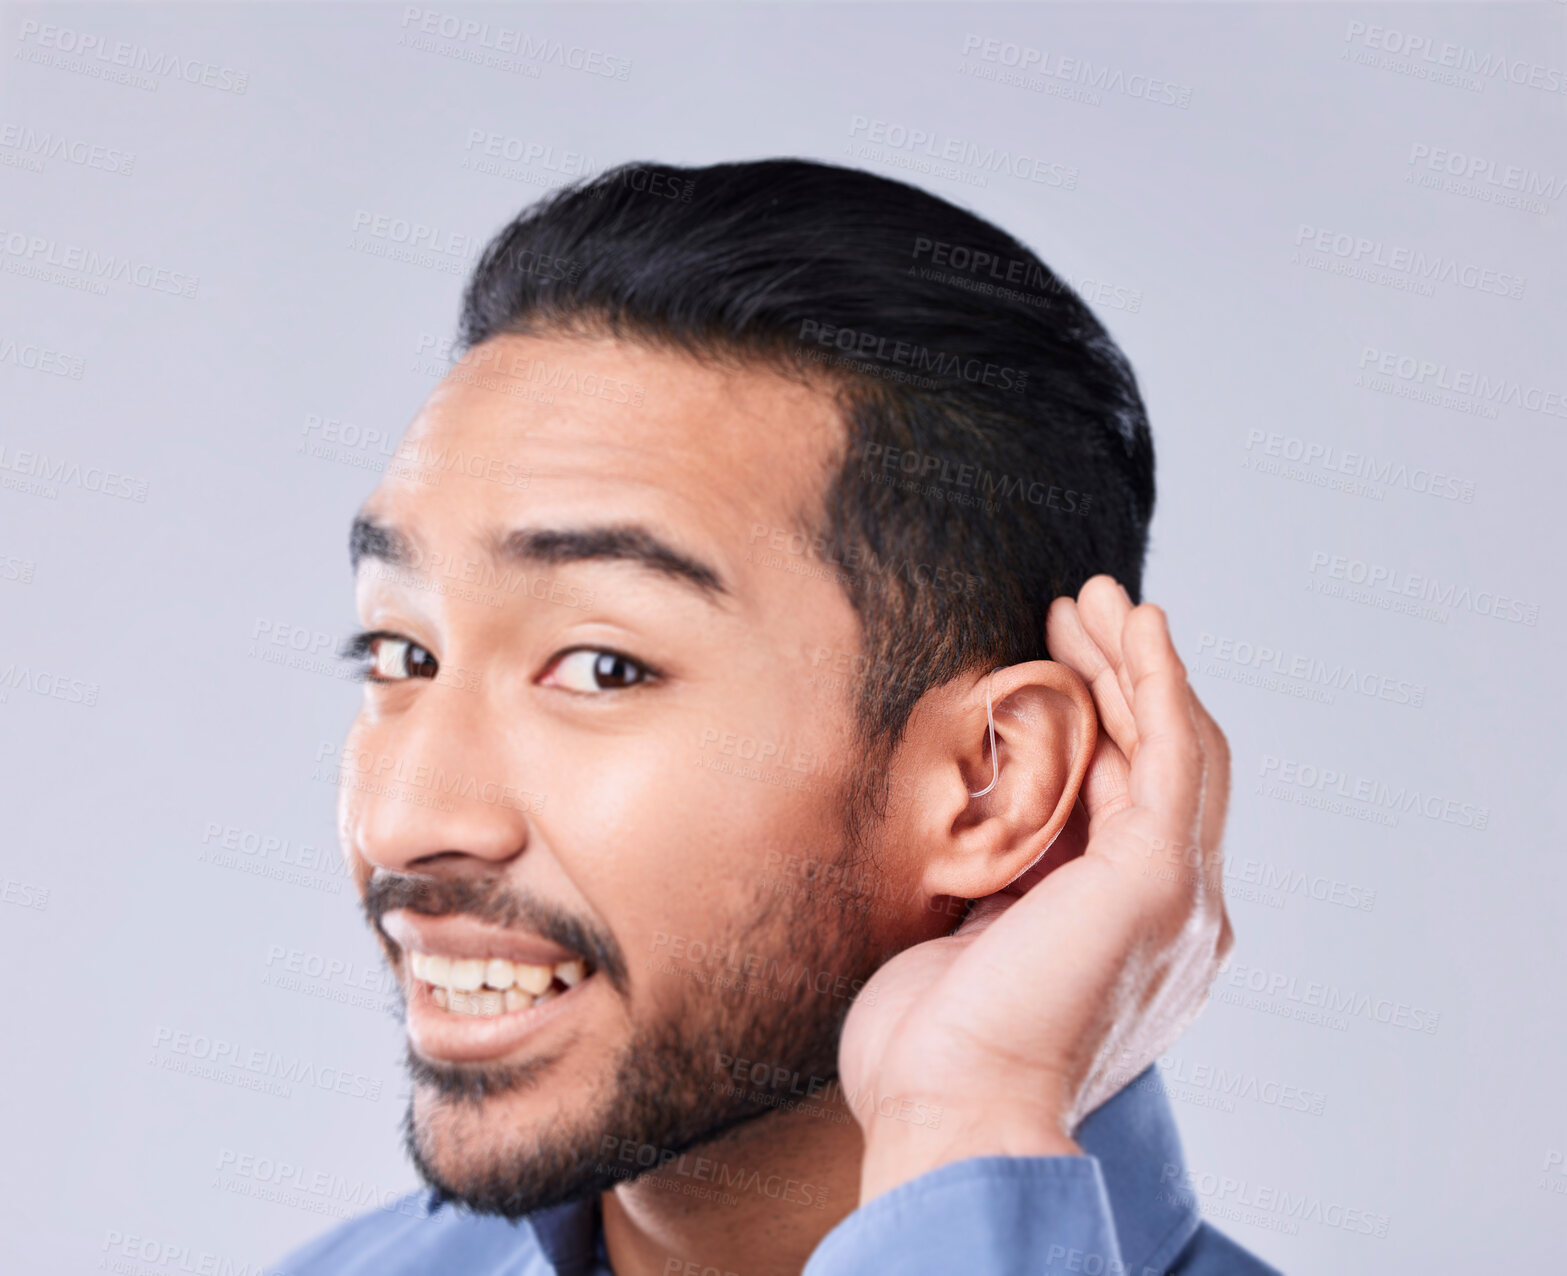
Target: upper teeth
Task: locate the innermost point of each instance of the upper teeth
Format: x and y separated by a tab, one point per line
467	974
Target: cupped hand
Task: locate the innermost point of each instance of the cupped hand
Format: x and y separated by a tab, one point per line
1059	989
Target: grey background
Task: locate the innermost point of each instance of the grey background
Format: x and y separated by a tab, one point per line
123	930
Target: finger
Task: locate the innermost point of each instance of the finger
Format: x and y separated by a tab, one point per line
1103	794
1069	642
1104	607
1167	767
1072	842
1215	795
1216	792
1106	787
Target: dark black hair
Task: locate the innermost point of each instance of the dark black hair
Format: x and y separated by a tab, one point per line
997	448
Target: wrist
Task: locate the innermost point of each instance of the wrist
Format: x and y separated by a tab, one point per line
897	1152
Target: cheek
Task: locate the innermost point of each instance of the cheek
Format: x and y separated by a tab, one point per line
676	855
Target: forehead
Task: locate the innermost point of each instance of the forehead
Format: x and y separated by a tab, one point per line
547	425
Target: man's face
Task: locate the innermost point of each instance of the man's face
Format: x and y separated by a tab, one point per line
632	755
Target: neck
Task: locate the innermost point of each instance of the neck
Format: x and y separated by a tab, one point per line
757	1199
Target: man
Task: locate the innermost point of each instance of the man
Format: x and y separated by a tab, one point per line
782	871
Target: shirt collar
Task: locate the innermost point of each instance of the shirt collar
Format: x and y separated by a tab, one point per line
1133	1137
569	1236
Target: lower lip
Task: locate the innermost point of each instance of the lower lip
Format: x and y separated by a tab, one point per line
455	1038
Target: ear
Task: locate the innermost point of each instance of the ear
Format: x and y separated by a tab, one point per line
1046	729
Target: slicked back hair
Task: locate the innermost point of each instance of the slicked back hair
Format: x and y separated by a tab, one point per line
997	451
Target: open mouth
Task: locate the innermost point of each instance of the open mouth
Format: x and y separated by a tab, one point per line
486	987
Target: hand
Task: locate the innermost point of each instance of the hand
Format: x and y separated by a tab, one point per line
1057	991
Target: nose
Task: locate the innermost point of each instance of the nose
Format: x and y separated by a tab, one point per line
427	790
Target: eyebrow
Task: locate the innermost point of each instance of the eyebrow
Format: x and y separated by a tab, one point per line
620	542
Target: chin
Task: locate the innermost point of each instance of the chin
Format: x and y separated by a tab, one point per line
507	1153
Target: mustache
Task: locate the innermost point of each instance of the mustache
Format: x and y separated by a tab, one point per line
490	901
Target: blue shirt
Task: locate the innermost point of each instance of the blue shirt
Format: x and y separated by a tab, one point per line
1122	1209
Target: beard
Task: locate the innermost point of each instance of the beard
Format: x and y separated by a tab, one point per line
660	1094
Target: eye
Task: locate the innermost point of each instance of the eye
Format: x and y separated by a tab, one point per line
590	669
391	658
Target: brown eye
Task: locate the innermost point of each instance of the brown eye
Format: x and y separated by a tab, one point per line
590	670
396	659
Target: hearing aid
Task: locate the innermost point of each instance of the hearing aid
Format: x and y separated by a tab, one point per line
995	774
995	761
